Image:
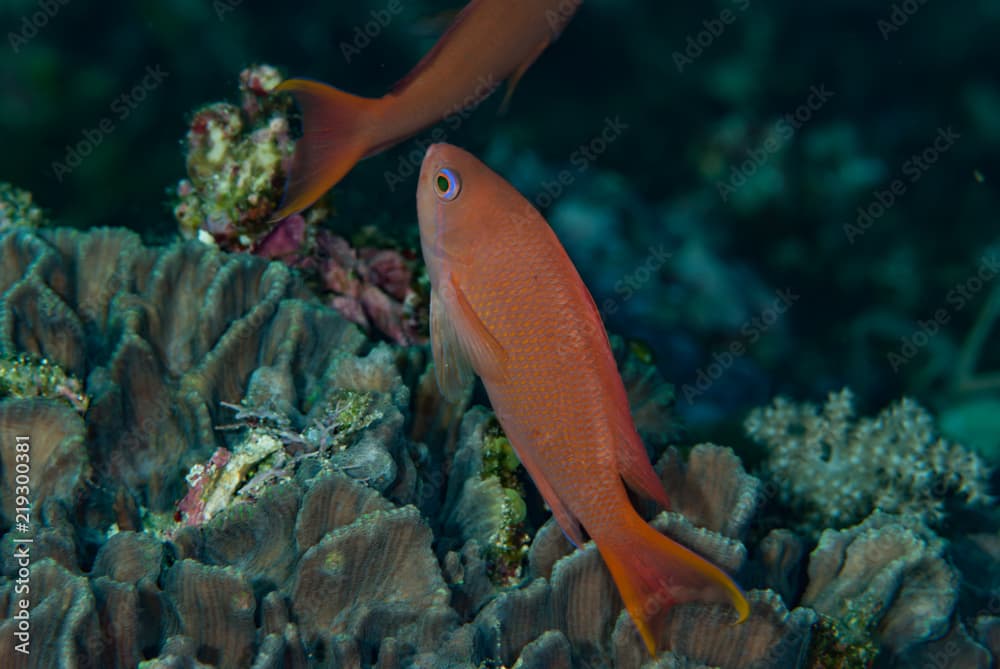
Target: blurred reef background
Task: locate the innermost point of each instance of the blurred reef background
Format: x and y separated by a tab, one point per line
786	215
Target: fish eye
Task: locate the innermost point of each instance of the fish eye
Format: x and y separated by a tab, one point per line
447	184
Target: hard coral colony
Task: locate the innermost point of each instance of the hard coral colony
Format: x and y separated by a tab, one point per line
312	545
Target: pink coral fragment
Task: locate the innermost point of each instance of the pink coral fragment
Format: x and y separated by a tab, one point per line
285	239
192	507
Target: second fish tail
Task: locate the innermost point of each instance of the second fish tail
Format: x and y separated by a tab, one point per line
335	136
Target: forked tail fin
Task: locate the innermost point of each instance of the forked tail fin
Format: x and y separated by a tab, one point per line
653	573
335	136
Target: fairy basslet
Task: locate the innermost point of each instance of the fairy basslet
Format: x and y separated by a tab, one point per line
507	304
489	41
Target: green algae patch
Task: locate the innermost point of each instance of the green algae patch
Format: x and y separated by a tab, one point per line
27	377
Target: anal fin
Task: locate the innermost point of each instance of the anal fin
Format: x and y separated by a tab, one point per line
635	467
567	521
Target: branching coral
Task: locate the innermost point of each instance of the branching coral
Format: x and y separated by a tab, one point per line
837	470
17	208
24	376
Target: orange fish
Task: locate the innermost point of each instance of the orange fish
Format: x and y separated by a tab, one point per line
507	304
489	41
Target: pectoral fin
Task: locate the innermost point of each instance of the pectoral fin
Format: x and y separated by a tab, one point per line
481	348
461	343
451	366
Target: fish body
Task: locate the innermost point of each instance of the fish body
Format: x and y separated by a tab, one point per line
508	305
489	41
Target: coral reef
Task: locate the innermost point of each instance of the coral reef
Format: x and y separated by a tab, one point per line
163	339
377	288
271	449
236	166
485	498
235	169
23	376
884	589
374	287
253	484
59	465
872	578
835	471
133	367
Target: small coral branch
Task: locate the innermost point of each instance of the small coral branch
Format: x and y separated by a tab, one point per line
268	452
17	209
235	164
25	376
836	470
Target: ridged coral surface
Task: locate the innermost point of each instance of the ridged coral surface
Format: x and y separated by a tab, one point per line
255	484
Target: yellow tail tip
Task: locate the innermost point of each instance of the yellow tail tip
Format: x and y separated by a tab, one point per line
742	607
654	573
739	603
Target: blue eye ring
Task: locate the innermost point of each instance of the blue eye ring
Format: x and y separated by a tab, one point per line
447	185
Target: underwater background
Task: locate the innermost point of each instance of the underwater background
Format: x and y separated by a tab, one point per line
786	215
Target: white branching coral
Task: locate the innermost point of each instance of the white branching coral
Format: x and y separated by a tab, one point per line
837	470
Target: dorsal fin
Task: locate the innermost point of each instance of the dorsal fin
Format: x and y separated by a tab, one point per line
515	78
431	55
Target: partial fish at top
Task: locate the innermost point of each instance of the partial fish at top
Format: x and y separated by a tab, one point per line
489	41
